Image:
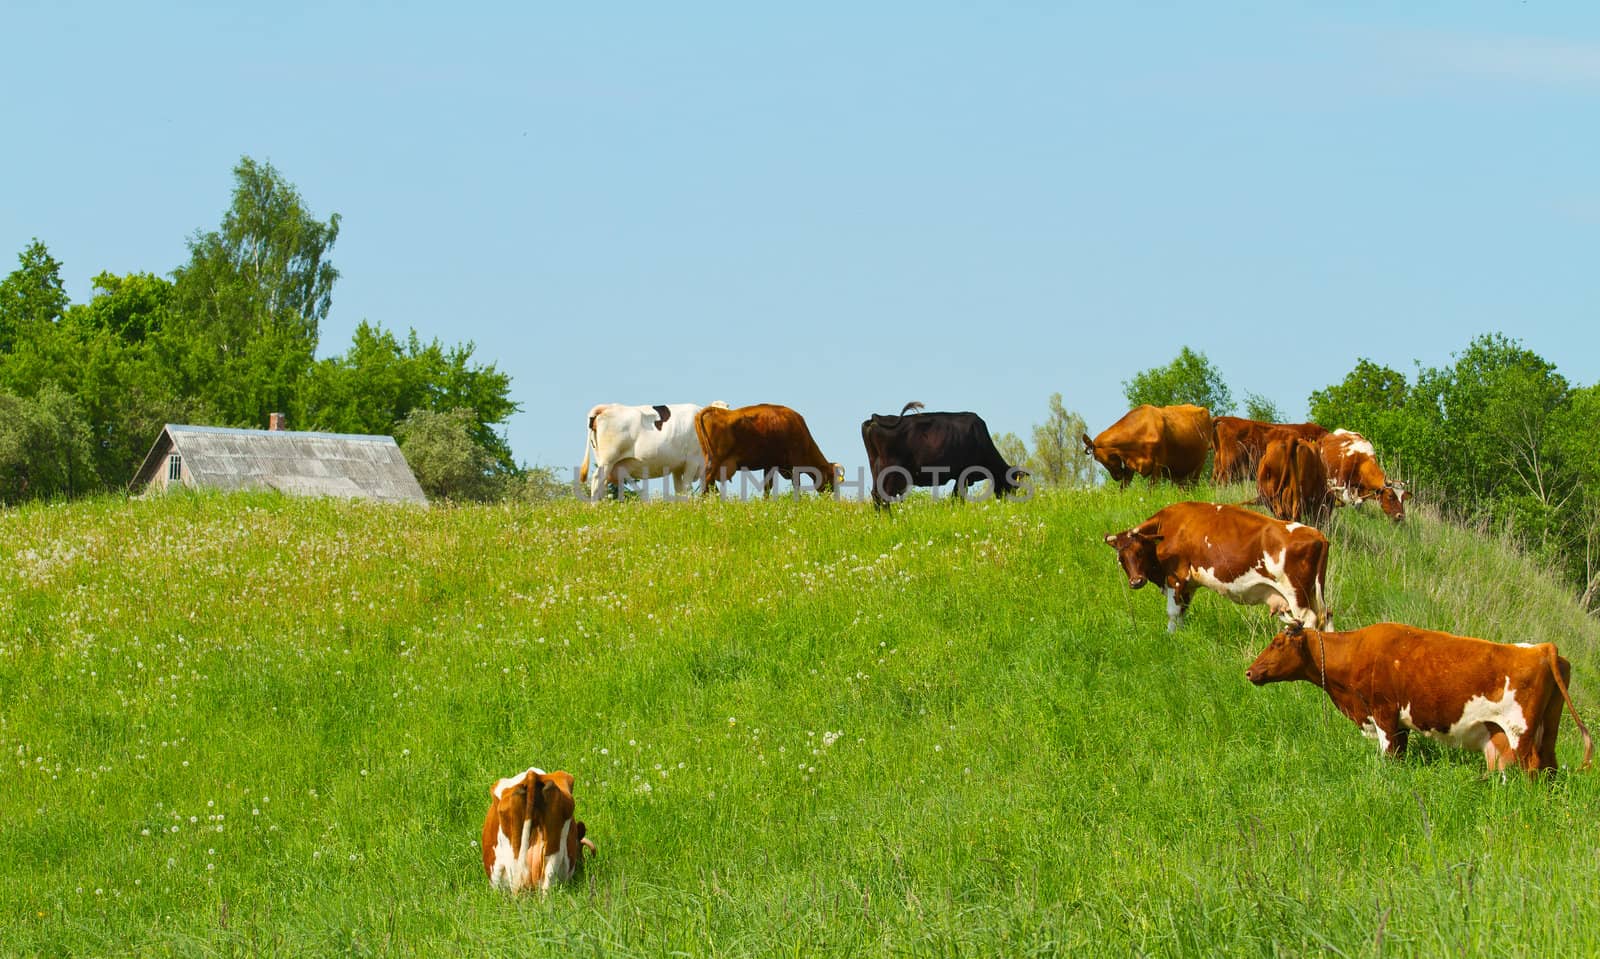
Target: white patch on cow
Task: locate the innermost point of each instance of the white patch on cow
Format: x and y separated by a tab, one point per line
1470	731
1354	443
502	785
633	438
557	865
1262	584
510	870
1346	495
1174	611
1526	645
1290	528
1372	730
1405	712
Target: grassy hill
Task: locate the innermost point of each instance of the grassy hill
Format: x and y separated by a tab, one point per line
240	725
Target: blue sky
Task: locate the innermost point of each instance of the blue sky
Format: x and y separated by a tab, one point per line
842	207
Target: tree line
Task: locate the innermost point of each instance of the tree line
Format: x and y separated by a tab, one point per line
225	339
1497	438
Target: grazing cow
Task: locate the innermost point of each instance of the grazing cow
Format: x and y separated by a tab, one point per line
761	438
1354	475
1291	480
931	449
1154	441
1240	444
530	837
1502	700
643	442
1249	558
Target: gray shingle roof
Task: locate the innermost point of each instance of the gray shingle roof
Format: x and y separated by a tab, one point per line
301	464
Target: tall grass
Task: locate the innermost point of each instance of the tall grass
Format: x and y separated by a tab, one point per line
251	725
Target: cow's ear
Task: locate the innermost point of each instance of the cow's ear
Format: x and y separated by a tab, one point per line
1111	538
538	787
1088	444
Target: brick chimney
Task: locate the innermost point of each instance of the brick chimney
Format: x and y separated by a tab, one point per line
277	422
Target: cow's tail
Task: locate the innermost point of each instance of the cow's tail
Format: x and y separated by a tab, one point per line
707	481
1561	684
590	446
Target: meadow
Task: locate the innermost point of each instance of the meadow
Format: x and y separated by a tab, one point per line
250	725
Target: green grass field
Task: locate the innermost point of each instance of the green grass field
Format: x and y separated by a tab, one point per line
251	725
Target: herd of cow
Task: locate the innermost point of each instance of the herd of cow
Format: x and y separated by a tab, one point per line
1390	679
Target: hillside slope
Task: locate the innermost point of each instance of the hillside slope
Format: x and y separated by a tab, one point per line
262	725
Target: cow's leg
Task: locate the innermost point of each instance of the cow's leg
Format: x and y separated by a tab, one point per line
712	477
1497	751
1387	733
1540	741
597	481
1178	597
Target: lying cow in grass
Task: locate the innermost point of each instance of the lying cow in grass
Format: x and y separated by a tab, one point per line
1247	557
1502	700
530	837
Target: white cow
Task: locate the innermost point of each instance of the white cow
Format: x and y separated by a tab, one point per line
643	442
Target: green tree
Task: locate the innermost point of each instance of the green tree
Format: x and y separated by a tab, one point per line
1012	449
1189	378
131	307
1059	458
1261	409
247	306
31	296
447	461
44	447
380	380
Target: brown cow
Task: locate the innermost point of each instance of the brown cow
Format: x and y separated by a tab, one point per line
765	438
1389	679
1154	441
531	837
1354	475
1291	480
1240	444
1249	558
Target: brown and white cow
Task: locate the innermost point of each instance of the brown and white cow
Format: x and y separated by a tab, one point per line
642	443
1154	441
530	835
1240	444
1354	475
1389	679
1291	480
764	438
1249	558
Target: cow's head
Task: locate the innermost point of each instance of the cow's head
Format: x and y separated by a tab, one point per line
1136	552
1392	498
531	837
1014	478
1287	657
1110	459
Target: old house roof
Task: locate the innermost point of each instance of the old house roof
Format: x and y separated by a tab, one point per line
301	464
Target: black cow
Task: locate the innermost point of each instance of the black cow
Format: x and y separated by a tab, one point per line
931	449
